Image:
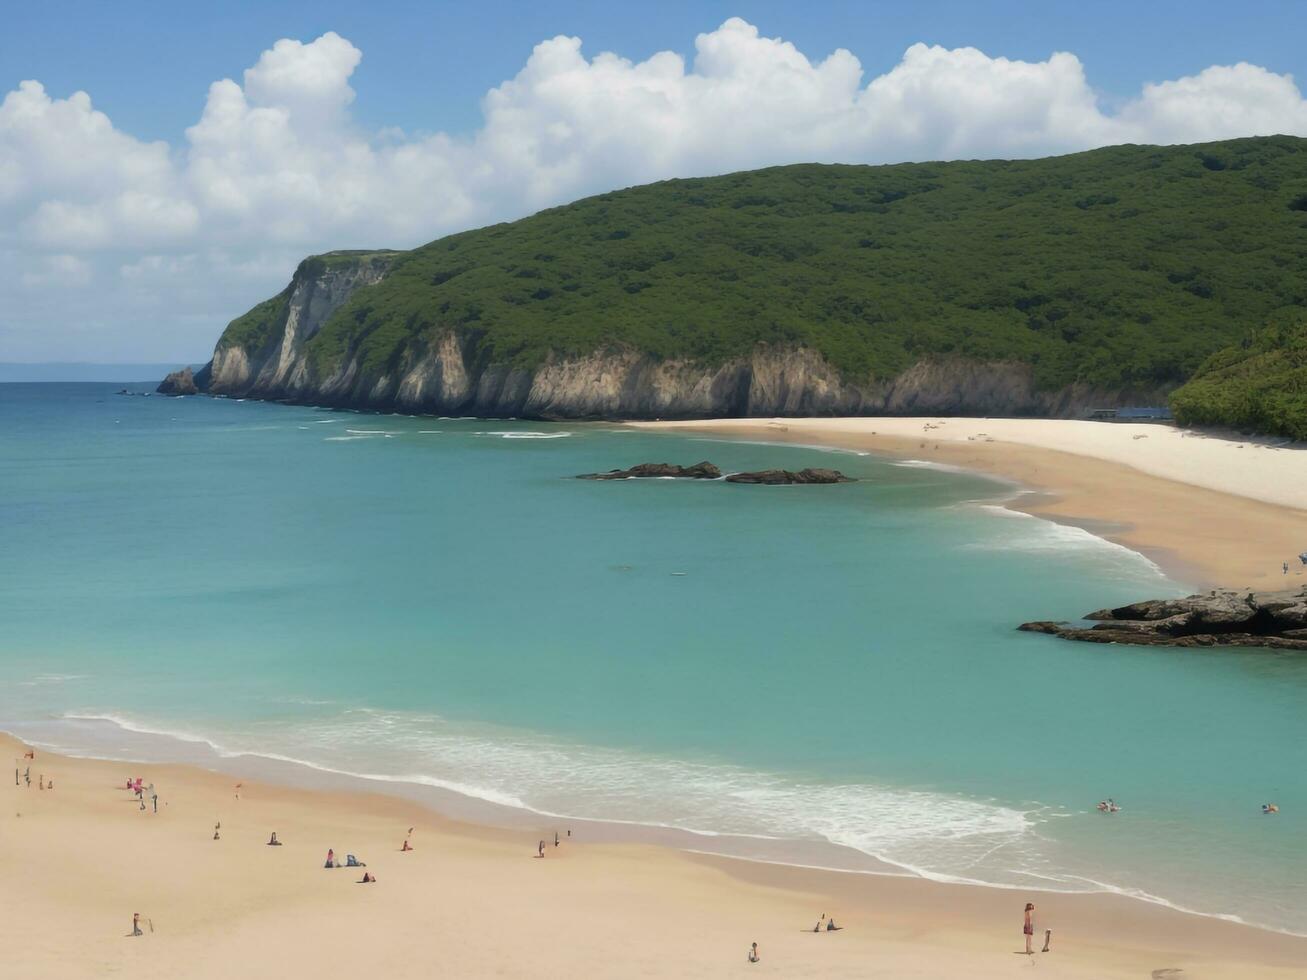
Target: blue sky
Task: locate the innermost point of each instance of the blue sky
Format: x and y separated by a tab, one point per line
147	64
163	166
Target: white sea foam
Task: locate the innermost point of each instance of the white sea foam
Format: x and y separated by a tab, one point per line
1034	534
926	834
326	421
927	464
556	779
514	434
43	680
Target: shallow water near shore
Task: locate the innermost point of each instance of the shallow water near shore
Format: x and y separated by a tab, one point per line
829	671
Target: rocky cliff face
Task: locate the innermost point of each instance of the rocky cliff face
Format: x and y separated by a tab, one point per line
278	368
445	373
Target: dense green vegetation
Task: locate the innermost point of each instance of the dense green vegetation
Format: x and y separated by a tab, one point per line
254	329
1123	267
1259	385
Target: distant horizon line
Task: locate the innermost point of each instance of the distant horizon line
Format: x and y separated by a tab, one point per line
116	372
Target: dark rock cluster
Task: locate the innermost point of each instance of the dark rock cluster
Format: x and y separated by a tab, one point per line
1222	617
649	471
707	471
783	477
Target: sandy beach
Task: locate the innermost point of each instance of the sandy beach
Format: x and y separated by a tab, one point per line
472	901
1210	511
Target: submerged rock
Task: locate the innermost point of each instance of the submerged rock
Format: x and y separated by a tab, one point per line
782	477
1221	617
648	471
179	383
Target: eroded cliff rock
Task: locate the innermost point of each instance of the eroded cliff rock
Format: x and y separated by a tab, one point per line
178	383
444	372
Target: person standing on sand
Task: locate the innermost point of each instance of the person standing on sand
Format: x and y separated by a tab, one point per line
27	776
753	953
540	849
136	924
1029	927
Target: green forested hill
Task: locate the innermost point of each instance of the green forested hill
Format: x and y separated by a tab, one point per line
1259	385
1122	266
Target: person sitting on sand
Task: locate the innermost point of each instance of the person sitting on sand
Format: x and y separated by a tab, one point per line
407	846
1029	927
331	858
831	926
352	862
272	841
753	953
367	878
136	924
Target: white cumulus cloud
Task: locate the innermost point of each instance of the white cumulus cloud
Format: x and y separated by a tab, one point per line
161	244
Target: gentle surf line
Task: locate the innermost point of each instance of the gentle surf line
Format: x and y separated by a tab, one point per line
493	797
508	801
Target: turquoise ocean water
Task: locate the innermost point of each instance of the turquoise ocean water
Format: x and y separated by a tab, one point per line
436	601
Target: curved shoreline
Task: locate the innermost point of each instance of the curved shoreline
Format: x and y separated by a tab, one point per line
590	906
1224	524
449	802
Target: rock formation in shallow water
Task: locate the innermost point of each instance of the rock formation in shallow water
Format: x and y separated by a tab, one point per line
784	477
1222	617
707	471
649	471
178	383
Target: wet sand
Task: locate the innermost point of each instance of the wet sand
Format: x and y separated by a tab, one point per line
473	901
